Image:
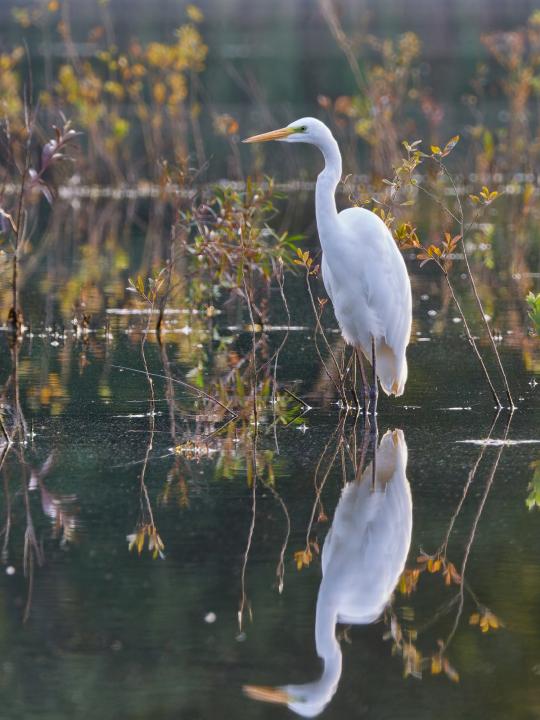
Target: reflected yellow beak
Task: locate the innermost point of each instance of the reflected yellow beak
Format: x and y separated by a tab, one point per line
267	694
280	134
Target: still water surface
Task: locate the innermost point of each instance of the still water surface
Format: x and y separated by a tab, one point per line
294	581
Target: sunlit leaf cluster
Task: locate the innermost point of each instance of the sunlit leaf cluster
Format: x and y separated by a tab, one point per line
227	235
146	535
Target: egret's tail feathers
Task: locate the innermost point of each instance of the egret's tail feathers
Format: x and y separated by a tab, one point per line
392	371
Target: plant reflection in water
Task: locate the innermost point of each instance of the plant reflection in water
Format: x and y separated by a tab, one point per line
60	509
363	557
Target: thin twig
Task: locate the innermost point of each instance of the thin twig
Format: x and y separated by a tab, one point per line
186	385
470	479
318	328
470	337
476	520
243	597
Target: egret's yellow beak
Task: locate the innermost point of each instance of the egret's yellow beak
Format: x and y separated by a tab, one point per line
280	134
267	694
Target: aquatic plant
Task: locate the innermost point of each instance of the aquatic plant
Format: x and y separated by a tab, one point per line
337	373
225	235
34	178
402	191
533	301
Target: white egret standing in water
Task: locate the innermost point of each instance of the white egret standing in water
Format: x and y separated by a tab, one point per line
363	557
363	271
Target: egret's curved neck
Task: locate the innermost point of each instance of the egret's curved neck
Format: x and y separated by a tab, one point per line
325	625
325	192
314	696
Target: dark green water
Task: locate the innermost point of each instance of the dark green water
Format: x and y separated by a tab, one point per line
95	630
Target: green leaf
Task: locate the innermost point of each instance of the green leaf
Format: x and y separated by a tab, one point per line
533	301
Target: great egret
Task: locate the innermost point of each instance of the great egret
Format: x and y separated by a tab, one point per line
363	271
363	557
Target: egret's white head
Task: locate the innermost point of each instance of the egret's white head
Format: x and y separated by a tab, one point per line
307	700
306	130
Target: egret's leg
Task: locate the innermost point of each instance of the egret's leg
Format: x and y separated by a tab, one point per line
365	384
364	449
375	437
353	385
374	392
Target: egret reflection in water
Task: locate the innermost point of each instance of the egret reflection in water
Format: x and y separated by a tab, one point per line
363	557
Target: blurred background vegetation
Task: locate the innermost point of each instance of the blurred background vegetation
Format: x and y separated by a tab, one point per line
179	83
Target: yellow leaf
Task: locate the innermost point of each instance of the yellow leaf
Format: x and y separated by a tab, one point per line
194	13
159	92
402	585
528	192
450	672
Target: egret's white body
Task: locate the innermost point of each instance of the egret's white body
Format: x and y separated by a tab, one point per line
363	557
363	271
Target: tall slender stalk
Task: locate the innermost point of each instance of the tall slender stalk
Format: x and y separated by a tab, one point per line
14	318
475	289
470	337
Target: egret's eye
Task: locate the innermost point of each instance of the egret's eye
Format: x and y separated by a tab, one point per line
303	128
